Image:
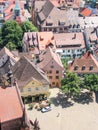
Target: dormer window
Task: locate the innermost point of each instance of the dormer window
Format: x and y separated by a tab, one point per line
62	22
49	21
91	67
76	67
52	66
83	67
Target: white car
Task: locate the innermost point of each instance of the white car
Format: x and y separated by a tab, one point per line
46	109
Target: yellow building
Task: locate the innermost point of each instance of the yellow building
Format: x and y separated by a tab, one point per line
34	87
31	80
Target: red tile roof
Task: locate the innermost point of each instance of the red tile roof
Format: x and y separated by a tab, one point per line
10	106
47	56
88	61
44	39
11	7
86	12
71	40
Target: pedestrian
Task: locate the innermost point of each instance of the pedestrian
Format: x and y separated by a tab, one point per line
58	114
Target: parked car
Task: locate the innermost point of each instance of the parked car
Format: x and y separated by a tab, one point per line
46	109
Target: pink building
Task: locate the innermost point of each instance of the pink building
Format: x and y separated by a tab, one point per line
50	62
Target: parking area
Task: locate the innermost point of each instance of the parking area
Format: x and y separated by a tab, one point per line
69	117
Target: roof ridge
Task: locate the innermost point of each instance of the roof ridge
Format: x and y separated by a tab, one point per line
17	67
94	59
24	68
55	54
35	67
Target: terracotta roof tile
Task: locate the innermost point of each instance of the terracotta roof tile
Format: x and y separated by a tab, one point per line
70	39
9	10
44	39
86	12
88	61
10	107
47	56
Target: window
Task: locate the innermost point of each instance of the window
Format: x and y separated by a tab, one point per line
45	29
76	67
61	29
53	83
44	87
50	29
57	71
83	67
52	66
36	88
91	67
50	72
29	89
57	77
50	77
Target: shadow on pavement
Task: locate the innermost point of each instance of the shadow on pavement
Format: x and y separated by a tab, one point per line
96	97
60	100
84	98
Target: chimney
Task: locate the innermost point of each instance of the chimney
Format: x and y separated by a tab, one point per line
41	38
74	37
52	38
59	2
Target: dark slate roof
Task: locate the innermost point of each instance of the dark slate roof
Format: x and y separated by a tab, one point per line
11	59
5	68
41	17
47	8
24	70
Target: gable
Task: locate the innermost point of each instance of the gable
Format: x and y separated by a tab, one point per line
33	83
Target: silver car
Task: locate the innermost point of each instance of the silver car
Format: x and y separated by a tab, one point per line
46	109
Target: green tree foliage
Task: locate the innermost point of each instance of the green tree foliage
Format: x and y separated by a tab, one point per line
1	42
11	33
11	46
91	82
65	62
70	85
28	26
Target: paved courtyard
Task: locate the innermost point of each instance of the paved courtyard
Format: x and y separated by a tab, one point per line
73	117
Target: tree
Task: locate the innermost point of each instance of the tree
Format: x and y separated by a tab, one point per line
91	82
71	84
1	42
12	33
11	46
28	26
65	62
